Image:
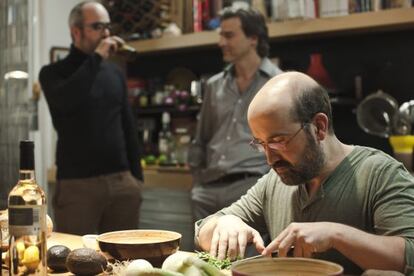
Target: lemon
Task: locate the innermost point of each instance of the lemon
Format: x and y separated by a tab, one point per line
31	257
143	163
20	249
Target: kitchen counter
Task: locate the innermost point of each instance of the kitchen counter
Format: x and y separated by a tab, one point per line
69	240
74	241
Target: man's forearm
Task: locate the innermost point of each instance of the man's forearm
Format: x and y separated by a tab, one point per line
370	251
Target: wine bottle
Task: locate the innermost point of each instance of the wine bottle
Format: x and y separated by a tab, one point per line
27	219
166	145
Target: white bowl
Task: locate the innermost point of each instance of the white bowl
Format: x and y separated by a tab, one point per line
89	241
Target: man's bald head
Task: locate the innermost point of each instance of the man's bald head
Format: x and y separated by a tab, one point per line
291	95
76	15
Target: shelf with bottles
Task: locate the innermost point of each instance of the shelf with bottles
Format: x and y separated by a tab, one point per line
357	23
154	96
166	139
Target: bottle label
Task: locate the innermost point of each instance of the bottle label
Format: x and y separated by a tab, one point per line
25	220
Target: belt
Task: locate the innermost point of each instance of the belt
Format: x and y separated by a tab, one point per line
233	177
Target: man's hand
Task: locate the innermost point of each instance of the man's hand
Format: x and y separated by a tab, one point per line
307	239
108	46
231	236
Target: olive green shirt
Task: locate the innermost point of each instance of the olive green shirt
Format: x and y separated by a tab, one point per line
369	190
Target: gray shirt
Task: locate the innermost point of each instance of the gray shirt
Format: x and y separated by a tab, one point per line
369	190
221	144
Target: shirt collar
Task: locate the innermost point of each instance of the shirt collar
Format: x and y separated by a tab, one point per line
77	53
266	68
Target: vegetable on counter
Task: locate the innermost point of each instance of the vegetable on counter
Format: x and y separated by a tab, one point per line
189	265
220	264
56	258
85	261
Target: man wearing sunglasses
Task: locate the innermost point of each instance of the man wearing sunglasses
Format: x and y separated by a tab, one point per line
98	171
349	204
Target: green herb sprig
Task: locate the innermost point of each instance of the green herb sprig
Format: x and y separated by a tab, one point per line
220	264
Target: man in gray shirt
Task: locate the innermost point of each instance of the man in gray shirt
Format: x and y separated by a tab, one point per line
224	167
349	204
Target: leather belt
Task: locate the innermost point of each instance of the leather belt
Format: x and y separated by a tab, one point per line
233	177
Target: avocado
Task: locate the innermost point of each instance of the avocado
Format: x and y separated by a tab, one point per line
85	261
56	258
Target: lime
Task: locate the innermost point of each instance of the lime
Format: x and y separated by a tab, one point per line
150	159
162	159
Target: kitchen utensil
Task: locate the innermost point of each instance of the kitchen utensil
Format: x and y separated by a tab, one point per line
375	114
285	266
152	245
274	254
181	78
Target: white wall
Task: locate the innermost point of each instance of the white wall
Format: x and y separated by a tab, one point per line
50	28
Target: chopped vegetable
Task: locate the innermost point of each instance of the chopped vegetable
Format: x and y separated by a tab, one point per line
220	264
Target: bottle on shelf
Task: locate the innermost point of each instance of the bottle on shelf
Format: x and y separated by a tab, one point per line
182	144
27	219
166	141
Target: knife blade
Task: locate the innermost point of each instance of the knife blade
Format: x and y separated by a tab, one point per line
274	254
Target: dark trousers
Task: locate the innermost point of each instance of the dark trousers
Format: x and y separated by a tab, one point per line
97	204
212	197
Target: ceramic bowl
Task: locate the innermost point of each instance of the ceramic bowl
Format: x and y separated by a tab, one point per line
152	245
89	241
286	267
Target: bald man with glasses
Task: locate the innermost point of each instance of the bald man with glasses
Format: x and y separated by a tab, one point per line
99	177
348	204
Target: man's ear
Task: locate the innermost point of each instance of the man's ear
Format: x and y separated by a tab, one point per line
254	40
75	33
321	122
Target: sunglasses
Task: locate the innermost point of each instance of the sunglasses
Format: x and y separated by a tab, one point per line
99	26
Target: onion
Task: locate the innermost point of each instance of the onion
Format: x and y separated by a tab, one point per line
137	266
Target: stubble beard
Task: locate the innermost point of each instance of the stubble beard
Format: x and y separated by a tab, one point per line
88	45
308	167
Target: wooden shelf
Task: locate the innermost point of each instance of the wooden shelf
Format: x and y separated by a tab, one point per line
154	110
385	20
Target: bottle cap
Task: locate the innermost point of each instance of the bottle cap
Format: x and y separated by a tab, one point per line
26	155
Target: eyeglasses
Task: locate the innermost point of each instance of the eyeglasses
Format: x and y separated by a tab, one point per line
99	26
279	145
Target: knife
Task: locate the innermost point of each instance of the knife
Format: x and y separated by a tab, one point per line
274	254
